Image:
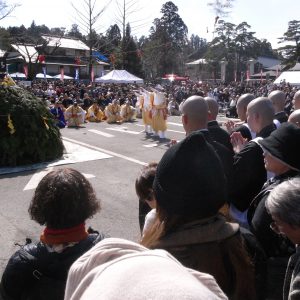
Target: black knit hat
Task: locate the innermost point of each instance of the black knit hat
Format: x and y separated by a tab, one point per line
190	180
284	144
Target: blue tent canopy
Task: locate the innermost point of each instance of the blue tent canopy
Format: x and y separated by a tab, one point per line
99	56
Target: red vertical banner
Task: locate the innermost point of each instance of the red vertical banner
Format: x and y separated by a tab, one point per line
25	70
92	74
248	74
62	73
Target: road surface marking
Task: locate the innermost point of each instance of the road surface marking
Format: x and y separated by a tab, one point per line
176	124
151	145
168	130
123	129
106	151
37	177
101	133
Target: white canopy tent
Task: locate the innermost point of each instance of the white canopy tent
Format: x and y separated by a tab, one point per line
291	77
200	61
41	76
17	75
58	76
119	76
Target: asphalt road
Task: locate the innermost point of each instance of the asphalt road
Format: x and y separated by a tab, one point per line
125	148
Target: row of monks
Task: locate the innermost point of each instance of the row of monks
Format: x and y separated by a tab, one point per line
75	115
152	104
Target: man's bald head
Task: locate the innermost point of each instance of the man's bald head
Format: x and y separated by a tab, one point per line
296	100
195	112
213	108
260	113
278	99
241	106
295	117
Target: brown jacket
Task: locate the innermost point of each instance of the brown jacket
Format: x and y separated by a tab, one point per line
214	246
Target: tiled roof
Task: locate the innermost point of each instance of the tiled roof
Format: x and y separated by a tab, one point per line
63	42
29	52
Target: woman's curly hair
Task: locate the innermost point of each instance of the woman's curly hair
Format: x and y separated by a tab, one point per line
64	198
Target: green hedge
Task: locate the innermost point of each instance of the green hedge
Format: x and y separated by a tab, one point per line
36	138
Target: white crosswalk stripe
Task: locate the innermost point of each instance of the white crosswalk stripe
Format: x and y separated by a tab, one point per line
176	124
101	133
123	129
151	145
168	130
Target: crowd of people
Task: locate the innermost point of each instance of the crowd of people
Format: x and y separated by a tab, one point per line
219	213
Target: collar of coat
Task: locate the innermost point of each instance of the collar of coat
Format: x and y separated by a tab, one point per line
212	229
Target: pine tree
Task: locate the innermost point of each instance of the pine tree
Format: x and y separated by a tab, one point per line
27	130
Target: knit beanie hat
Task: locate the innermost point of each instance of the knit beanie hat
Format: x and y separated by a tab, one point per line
190	179
284	144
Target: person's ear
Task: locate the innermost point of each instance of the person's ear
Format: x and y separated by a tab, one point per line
184	119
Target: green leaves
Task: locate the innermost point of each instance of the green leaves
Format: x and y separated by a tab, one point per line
31	142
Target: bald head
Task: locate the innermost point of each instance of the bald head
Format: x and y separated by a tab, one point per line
242	103
278	100
296	100
295	117
213	108
195	112
260	113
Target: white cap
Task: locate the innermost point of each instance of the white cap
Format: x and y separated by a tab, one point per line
120	269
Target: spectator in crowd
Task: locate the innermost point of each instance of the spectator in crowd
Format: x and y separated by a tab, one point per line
58	114
94	113
87	101
295	117
278	100
194	118
296	100
63	201
190	188
144	191
66	101
120	269
281	152
249	173
173	107
241	109
283	205
75	115
216	132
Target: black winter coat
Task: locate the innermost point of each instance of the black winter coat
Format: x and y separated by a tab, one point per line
249	173
34	260
219	135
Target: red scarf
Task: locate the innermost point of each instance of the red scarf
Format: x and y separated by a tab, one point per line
62	236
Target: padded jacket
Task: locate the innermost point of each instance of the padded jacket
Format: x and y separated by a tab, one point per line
34	261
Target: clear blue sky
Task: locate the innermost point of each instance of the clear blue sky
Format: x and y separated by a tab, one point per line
268	18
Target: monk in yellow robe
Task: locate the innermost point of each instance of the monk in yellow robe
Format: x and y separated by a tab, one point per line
75	115
159	114
127	112
94	114
112	112
146	105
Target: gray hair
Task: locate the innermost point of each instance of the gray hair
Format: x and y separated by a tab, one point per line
284	201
